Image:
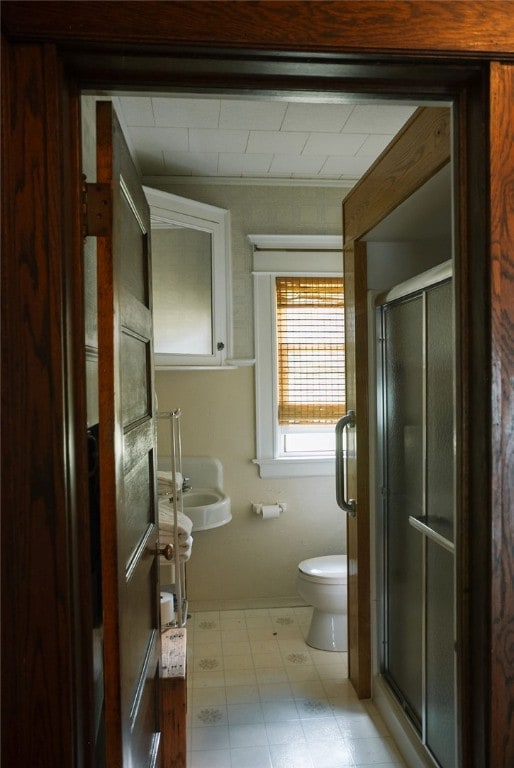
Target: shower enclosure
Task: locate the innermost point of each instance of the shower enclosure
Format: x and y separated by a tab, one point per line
416	508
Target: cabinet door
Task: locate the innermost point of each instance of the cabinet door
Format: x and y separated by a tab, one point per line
191	282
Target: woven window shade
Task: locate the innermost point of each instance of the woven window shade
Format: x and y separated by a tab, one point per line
310	345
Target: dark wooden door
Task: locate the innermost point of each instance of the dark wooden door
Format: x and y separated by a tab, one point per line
127	455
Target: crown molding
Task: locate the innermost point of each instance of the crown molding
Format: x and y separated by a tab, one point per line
343	184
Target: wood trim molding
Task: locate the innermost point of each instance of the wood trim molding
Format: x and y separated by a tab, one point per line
357	528
373	36
45	541
502	431
420	149
470	27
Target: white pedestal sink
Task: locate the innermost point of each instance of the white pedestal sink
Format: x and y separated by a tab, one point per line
206	508
205	503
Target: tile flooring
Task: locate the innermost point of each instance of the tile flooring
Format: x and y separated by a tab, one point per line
259	697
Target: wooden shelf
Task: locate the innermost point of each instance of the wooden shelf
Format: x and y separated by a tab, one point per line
174	697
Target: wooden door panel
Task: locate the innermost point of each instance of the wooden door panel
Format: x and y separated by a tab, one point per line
144	748
134	314
138	506
127	446
136	401
357	529
137	628
132	242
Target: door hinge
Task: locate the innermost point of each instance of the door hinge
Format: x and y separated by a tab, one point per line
96	209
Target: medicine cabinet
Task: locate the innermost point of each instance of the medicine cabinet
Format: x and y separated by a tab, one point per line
191	282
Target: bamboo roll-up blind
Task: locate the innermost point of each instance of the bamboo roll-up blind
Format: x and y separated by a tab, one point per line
310	345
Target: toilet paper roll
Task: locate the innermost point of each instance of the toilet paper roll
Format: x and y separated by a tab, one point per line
270	510
167	608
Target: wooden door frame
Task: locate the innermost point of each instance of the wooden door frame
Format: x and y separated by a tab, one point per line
52	50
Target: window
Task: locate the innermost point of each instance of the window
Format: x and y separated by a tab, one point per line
299	341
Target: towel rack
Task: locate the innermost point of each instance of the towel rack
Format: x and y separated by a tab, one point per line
176	466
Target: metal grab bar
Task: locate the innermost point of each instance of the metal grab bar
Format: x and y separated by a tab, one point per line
420	525
350	506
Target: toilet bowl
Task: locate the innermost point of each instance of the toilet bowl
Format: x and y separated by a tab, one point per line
321	581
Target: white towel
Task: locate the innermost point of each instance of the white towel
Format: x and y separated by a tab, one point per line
167	483
169	532
165	537
167	520
168	537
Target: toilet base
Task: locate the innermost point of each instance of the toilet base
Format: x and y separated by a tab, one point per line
328	631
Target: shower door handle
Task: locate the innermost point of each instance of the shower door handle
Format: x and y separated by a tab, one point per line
349	506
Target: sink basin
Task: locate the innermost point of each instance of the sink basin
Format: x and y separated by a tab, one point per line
207	508
194	499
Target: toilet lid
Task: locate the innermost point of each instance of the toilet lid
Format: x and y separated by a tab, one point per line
328	568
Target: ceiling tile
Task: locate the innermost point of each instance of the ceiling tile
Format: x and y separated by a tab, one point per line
374	145
149	139
346	167
206	140
310	164
245	137
377	118
334	144
137	110
252	115
316	117
191	164
233	164
276	142
186	113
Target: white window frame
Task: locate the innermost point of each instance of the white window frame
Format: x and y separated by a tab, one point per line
273	256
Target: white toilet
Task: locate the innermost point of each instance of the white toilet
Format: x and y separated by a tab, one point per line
322	583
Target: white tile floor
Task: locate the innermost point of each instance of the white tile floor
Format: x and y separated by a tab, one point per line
259	697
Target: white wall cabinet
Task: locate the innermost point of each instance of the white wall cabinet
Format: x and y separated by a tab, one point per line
192	294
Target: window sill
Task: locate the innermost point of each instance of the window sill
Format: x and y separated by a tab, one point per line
300	467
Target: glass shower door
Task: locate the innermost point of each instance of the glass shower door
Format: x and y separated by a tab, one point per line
418	511
403	433
439	538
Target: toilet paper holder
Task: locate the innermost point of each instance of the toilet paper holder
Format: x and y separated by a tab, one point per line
261	508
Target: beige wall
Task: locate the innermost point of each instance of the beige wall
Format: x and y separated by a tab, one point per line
250	558
251	561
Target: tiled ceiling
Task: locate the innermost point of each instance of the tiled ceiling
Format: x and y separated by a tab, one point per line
236	138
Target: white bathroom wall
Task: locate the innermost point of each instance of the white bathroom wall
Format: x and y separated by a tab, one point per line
251	562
